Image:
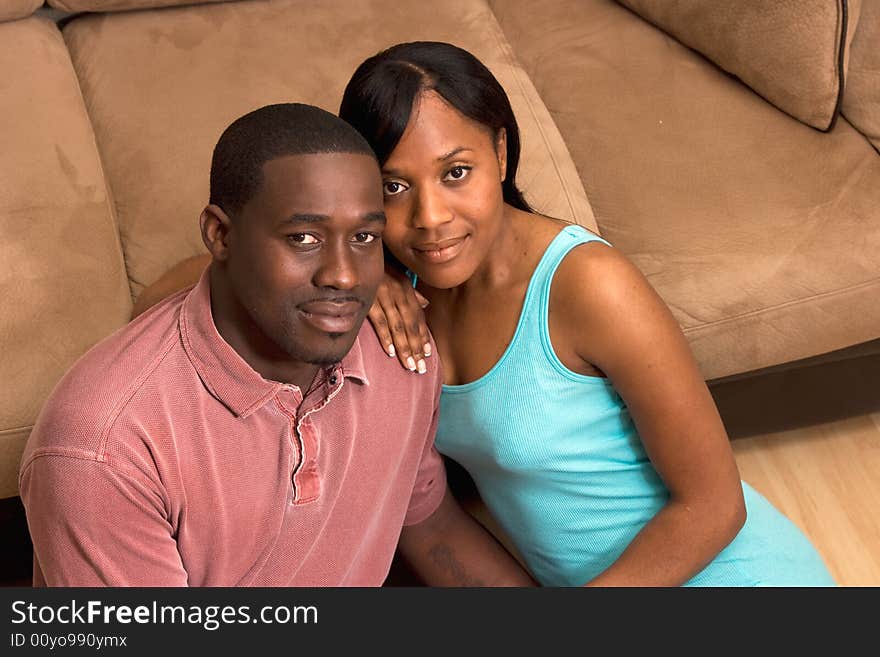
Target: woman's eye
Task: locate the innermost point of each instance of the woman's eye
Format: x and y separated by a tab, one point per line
458	173
302	238
365	238
392	187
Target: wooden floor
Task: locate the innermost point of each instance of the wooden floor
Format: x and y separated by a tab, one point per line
809	441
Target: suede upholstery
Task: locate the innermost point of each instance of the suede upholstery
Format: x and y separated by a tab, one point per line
759	231
63	286
787	51
861	102
161	86
119	5
13	9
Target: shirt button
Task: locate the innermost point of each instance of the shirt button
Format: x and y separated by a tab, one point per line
332	379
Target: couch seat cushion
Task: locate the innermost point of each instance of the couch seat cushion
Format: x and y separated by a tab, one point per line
761	234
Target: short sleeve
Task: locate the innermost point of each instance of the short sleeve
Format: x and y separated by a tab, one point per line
430	483
94	525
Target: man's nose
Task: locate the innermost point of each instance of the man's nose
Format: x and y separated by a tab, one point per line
431	208
337	268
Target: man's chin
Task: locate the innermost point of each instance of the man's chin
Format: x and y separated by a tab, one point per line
332	351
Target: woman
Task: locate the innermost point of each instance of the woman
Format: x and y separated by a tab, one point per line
571	395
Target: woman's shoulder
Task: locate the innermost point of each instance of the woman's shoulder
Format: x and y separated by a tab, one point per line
594	277
543	229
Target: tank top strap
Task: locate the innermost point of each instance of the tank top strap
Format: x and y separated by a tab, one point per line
567	239
535	313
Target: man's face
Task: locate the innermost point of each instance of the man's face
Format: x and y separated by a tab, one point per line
305	253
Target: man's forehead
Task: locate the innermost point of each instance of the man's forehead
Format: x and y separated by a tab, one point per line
320	183
305	163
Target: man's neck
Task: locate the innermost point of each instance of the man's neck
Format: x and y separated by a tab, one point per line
237	328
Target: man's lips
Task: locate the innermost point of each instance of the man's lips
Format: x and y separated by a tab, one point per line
329	316
440	251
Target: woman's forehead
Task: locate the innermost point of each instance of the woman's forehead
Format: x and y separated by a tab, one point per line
436	128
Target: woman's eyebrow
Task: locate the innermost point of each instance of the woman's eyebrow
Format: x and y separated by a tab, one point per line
453	153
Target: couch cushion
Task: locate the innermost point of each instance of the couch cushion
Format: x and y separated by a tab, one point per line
788	52
63	285
162	85
73	6
861	101
761	233
11	10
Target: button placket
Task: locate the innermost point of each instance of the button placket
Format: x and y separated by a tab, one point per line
289	407
312	454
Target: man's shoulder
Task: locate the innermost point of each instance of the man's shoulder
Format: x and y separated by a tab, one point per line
98	386
387	373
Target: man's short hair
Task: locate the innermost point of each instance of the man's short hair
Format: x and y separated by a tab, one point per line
270	132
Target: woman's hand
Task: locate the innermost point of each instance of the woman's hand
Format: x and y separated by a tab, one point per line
398	319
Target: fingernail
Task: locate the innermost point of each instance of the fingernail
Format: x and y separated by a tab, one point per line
428	349
391	351
410	363
422	367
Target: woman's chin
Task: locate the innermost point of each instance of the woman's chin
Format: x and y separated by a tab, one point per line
440	278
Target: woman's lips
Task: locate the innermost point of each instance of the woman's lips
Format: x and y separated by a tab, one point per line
332	317
440	252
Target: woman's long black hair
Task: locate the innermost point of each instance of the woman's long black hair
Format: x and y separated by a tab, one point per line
378	99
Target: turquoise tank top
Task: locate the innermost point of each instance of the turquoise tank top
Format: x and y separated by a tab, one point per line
559	464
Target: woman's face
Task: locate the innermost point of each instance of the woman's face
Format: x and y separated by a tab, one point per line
443	196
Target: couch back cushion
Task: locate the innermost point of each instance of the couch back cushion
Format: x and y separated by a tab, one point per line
162	85
73	6
63	283
11	10
791	52
861	101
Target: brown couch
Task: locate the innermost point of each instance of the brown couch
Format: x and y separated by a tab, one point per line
730	149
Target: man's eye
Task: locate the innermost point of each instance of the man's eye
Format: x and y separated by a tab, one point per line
365	238
302	238
392	187
458	173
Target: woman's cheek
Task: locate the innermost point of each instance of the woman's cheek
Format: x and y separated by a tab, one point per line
394	235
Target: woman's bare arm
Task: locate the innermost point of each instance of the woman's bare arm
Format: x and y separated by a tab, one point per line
607	314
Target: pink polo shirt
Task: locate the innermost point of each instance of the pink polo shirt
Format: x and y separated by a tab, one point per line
163	459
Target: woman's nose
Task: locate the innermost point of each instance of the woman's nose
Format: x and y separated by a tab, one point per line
431	209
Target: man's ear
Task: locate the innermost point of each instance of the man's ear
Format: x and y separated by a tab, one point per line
501	152
216	226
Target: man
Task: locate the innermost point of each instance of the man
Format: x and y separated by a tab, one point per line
251	431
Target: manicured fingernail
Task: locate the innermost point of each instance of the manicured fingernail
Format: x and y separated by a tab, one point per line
428	349
422	367
391	351
411	364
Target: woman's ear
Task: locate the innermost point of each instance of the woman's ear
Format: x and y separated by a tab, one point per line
501	152
216	226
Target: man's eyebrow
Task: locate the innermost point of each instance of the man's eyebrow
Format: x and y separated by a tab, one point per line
304	218
375	216
308	218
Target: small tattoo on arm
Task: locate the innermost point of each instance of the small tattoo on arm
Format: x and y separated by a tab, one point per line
444	557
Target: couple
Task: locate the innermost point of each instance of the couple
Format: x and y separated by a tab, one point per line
253	430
